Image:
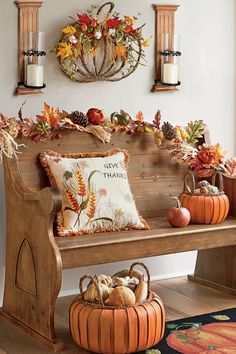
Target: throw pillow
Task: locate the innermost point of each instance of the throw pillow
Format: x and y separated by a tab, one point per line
95	190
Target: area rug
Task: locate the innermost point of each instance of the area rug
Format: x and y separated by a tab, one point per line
205	334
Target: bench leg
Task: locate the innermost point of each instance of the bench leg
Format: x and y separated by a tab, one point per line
33	275
216	268
32	283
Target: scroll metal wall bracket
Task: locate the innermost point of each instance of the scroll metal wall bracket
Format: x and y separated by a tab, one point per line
28	22
165	23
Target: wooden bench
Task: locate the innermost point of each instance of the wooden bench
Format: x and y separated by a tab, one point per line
35	257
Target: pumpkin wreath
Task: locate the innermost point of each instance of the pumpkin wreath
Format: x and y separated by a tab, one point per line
101	48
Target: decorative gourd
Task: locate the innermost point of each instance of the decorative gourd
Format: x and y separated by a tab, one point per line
141	292
205	209
118	281
178	217
220	335
107	329
91	294
121	296
104	279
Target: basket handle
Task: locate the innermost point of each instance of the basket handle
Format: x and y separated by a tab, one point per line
189	175
100	299
146	269
109	3
221	183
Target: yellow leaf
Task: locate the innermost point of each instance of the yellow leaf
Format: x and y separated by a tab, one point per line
64	50
221	317
149	129
120	51
129	20
147	42
76	53
69	30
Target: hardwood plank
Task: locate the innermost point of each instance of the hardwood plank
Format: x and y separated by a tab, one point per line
183	303
199	292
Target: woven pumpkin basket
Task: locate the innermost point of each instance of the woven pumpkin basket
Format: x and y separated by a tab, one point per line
211	208
101	328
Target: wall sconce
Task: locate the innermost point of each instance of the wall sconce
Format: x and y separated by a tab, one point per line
167	52
30	44
170	56
34	55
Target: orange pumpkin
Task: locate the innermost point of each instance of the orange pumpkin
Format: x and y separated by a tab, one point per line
205	209
228	350
210	338
107	329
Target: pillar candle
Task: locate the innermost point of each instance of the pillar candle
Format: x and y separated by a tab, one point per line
34	75
170	73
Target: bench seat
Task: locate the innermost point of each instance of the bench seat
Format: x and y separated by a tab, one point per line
159	240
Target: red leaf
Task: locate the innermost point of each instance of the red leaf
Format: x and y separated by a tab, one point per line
84	19
113	22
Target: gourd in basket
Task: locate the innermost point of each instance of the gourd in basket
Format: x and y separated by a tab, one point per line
102	328
207	203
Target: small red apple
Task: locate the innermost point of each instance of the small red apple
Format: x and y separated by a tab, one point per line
95	116
178	217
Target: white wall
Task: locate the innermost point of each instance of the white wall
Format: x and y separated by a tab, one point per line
207	29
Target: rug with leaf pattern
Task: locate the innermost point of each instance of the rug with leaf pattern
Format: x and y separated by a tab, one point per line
205	334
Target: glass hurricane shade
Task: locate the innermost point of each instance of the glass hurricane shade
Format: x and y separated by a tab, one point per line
34	53
170	57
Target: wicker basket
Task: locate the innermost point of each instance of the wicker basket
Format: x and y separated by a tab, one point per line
100	328
209	208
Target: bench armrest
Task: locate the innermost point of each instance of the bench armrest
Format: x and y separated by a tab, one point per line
50	198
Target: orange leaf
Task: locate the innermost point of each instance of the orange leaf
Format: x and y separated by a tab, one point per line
50	116
139	117
147	42
120	51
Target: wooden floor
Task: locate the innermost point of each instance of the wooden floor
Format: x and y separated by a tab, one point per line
181	297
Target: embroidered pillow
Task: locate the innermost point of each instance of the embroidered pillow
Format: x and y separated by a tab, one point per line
96	192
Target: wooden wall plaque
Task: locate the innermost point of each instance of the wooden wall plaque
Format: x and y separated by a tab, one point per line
165	23
28	21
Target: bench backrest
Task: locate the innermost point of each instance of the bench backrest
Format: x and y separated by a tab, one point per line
153	175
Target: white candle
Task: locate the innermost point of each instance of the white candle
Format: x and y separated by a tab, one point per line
34	75
170	73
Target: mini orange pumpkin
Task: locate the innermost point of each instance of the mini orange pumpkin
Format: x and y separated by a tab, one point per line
107	329
205	209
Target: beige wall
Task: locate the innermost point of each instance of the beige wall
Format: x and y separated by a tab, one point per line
207	29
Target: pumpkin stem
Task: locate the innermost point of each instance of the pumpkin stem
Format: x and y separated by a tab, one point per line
178	202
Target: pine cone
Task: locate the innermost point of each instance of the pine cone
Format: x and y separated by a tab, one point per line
79	118
168	131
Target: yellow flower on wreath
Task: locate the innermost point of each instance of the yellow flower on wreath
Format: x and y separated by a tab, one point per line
64	50
130	20
69	30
